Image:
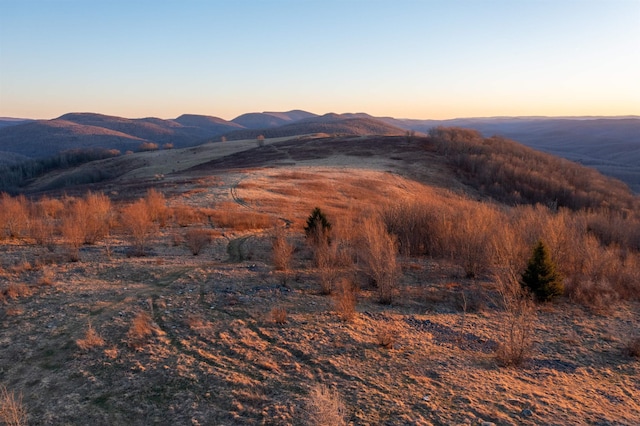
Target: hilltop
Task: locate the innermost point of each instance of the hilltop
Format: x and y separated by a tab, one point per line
182	288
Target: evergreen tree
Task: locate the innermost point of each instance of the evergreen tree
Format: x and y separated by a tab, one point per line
541	276
317	227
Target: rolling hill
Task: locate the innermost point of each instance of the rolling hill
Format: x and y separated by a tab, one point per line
611	145
332	124
203	325
45	138
266	120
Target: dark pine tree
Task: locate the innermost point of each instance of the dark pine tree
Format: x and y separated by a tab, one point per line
317	227
541	277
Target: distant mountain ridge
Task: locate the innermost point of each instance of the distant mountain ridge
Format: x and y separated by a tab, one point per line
610	144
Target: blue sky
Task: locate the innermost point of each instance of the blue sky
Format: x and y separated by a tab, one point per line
413	59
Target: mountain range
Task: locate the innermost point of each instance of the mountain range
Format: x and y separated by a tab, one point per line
609	144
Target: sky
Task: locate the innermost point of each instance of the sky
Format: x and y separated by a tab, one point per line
403	58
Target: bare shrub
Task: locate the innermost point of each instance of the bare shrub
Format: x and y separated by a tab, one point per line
42	230
327	261
185	215
516	339
591	276
90	340
140	330
278	315
632	347
73	234
44	215
345	299
324	407
147	146
417	224
137	221
12	410
98	217
14	216
377	258
197	239
281	250
85	221
49	207
472	238
157	206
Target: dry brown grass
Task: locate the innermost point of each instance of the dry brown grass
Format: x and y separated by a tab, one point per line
91	340
221	341
17	290
324	407
233	216
140	330
12	410
22	267
386	335
345	299
46	278
184	215
278	315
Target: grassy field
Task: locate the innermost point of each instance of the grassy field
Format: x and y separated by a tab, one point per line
117	333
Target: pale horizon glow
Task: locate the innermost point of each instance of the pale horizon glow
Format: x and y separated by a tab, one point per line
401	58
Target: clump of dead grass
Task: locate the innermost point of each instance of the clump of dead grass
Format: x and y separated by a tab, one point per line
324	407
632	347
140	330
12	410
386	336
345	300
233	216
90	340
46	278
278	315
22	267
17	290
